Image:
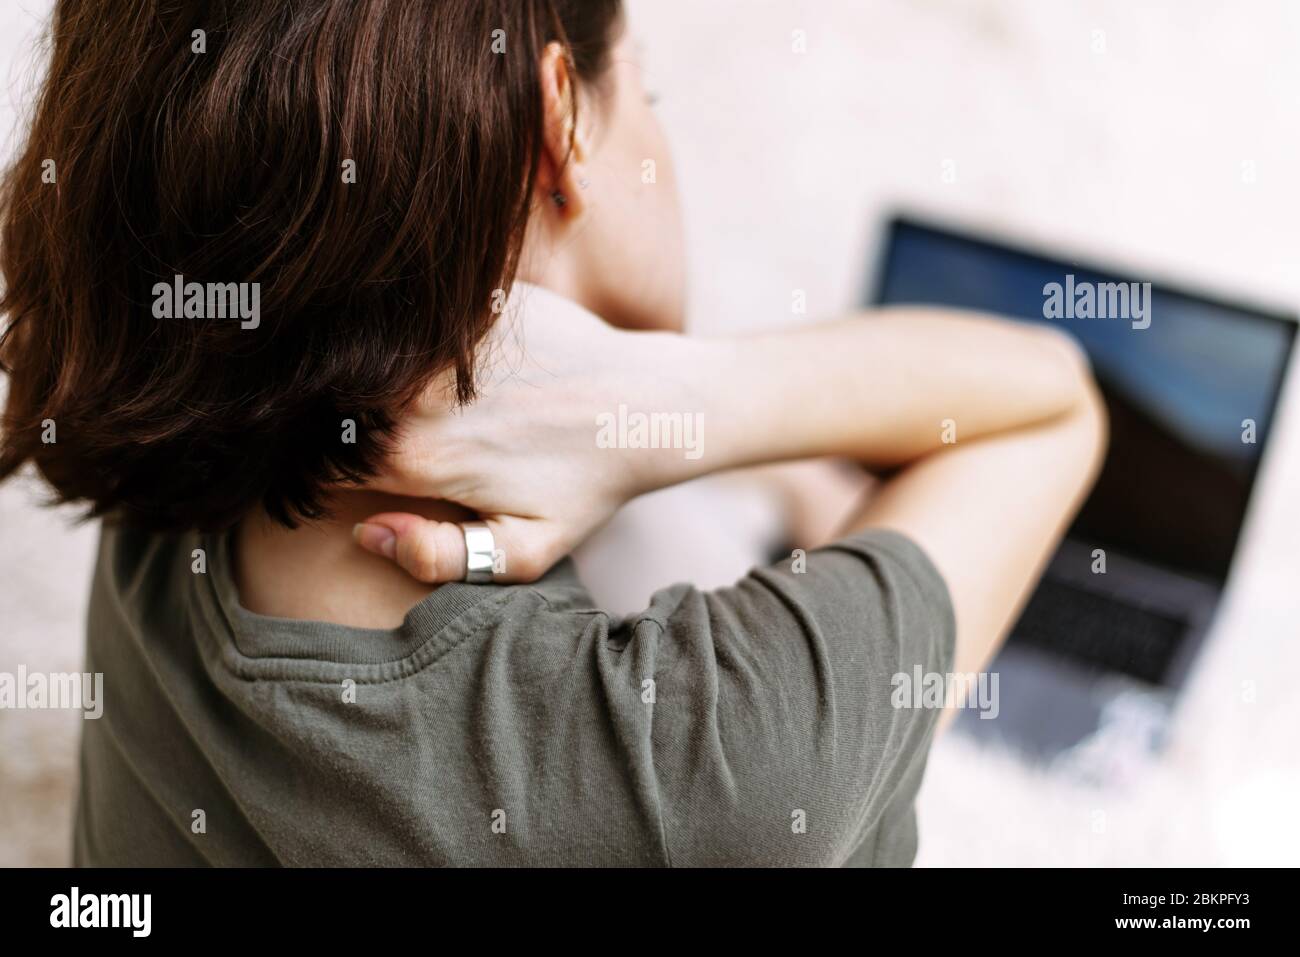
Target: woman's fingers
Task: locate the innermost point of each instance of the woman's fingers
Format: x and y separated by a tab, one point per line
435	552
430	551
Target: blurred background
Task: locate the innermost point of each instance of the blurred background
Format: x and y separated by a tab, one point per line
1161	138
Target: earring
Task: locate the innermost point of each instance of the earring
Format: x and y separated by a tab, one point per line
558	199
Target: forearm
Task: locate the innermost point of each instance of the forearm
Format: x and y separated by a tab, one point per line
885	389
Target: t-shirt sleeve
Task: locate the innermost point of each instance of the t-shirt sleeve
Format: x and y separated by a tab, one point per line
774	733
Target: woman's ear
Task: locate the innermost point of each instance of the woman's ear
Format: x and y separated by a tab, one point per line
562	173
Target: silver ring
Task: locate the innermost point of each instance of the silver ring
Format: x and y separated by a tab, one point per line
480	549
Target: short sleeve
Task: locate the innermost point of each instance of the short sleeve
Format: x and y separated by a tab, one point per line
775	737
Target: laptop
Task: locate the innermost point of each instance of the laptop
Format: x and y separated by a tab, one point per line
1092	669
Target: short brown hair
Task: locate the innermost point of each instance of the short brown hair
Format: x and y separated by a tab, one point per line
213	140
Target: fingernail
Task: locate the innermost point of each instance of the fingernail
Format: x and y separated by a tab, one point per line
375	538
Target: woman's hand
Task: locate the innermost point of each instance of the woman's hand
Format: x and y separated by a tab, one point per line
524	455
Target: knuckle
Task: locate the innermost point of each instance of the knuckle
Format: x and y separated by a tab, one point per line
420	556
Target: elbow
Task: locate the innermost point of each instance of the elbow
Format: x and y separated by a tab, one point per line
1095	426
1083	403
1070	362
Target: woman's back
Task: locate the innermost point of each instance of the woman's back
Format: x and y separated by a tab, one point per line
509	725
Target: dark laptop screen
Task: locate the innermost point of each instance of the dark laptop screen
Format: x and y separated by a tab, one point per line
1177	479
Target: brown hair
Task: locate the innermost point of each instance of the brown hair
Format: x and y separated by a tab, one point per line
223	157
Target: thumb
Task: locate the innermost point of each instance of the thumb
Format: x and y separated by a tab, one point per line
435	552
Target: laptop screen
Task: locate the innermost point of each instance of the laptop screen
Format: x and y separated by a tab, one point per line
1191	395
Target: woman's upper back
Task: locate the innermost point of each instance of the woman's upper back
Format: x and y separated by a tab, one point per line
510	725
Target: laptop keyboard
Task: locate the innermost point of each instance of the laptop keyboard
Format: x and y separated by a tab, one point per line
1099	630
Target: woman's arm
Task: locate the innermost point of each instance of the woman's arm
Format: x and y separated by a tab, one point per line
990	512
993	428
885	389
997	431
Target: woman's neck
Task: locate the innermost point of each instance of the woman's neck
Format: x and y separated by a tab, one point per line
317	572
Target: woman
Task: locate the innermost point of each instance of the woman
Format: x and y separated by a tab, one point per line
452	272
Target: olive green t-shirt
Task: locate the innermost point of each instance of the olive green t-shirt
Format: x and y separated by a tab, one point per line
511	725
